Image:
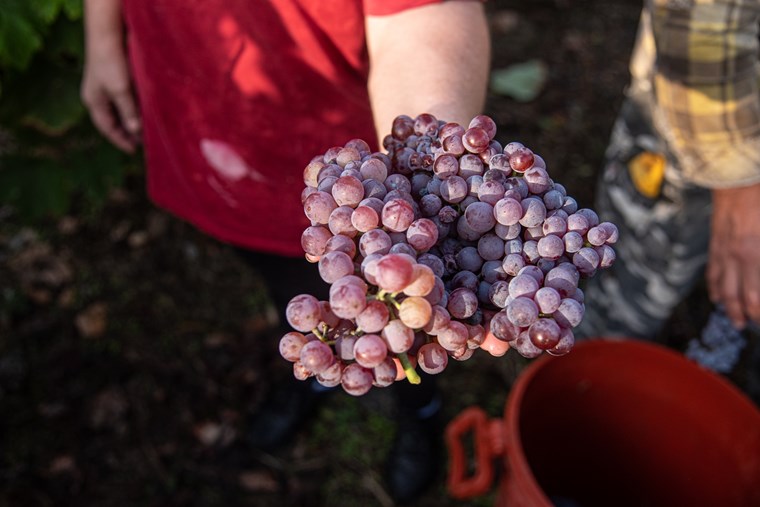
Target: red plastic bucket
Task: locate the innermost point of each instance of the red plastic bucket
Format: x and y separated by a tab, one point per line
614	423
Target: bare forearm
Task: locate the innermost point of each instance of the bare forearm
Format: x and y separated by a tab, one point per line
103	26
433	59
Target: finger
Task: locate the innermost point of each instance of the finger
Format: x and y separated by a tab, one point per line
714	271
104	118
127	109
751	293
731	296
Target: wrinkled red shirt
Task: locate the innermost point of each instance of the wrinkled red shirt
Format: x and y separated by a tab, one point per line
236	98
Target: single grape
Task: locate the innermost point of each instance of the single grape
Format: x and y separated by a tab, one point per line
454	336
432	358
364	218
397	215
415	312
348	300
394	272
422	234
316	356
348	191
356	379
569	314
314	239
398	336
335	265
384	373
341	243
330	376
370	350
522	311
373	318
544	333
291	344
547	299
318	207
462	303
303	312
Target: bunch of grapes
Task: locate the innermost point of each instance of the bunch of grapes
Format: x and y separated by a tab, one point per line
445	243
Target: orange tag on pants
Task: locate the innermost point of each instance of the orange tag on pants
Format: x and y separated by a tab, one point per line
647	172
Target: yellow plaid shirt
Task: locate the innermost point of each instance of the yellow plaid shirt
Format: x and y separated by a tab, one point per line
700	59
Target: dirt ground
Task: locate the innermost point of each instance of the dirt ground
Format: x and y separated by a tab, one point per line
132	348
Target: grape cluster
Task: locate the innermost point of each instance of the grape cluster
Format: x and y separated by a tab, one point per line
444	243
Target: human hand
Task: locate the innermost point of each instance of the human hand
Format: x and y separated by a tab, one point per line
733	268
107	93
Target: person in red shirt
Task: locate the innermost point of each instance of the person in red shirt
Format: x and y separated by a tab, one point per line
231	99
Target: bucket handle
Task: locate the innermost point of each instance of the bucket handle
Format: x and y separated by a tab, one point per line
489	443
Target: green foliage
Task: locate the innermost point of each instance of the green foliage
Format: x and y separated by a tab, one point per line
49	151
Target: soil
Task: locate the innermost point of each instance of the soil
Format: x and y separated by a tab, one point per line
133	348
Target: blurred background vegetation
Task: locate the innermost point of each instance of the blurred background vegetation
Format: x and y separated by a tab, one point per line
49	151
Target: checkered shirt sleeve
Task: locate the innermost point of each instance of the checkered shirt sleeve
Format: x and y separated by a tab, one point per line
706	83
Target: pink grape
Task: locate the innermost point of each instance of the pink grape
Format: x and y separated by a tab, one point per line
318	207
566	342
356	379
544	333
316	356
314	239
454	336
341	243
340	221
422	234
439	320
303	312
521	159
551	247
364	218
384	373
480	216
454	189
547	299
398	336
370	350
462	303
397	215
375	169
348	191
330	376
376	241
348	301
374	317
423	281
415	312
522	311
475	139
486	123
569	314
432	358
291	344
335	265
394	272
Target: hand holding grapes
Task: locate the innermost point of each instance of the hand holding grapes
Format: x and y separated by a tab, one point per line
733	269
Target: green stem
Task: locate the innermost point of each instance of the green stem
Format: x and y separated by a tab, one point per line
411	374
322	337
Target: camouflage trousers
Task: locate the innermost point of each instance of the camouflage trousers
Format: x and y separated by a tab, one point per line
664	225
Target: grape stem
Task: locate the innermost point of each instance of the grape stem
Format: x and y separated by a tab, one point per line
319	334
411	374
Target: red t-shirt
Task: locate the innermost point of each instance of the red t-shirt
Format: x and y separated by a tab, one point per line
237	97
